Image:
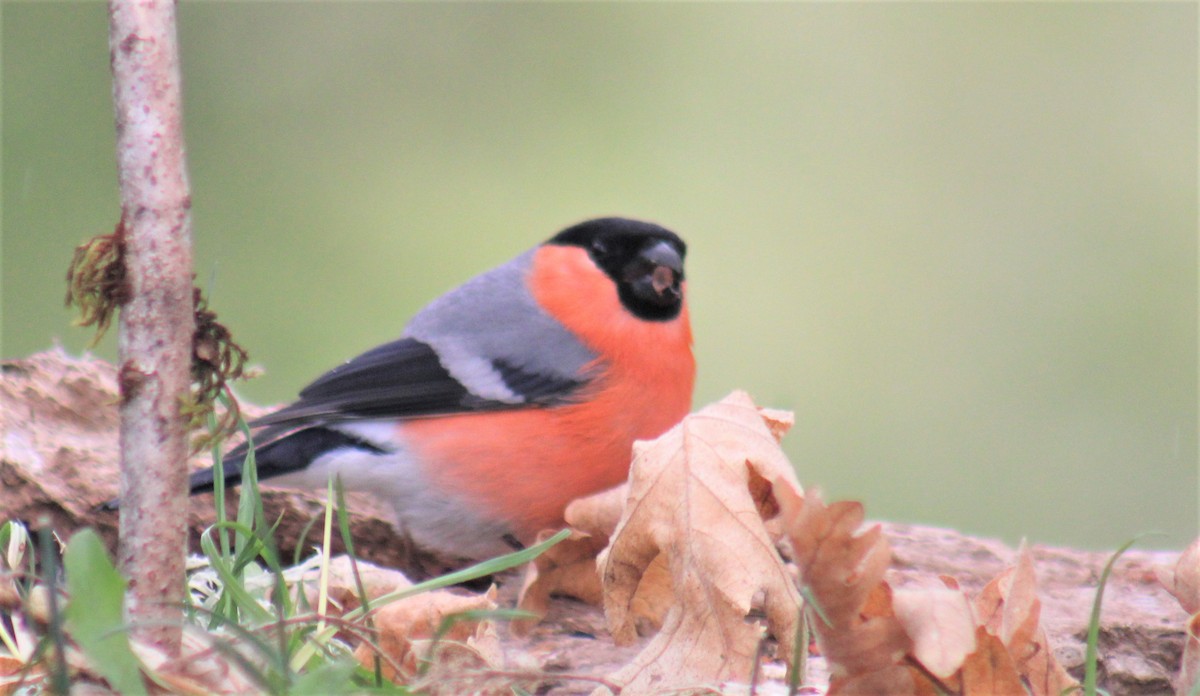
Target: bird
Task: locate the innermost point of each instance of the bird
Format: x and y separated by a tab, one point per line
505	398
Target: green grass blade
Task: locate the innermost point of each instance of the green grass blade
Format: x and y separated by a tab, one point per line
250	509
799	662
326	551
810	600
94	616
1091	656
59	680
302	540
246	604
364	601
478	570
218	483
343	518
448	622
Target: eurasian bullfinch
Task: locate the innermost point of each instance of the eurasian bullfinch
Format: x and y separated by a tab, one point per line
505	398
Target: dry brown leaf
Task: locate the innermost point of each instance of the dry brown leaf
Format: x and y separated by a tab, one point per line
690	503
654	597
778	421
197	670
569	567
343	590
1189	665
899	642
990	670
469	666
1183	582
406	627
939	622
859	634
11	677
897	680
598	514
1044	673
1009	609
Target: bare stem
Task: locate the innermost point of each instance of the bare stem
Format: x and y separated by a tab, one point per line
156	324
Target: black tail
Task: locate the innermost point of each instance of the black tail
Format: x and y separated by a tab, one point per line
288	454
204	481
292	452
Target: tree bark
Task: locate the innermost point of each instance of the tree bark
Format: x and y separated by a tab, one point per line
156	324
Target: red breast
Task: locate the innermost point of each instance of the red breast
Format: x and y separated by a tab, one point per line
524	466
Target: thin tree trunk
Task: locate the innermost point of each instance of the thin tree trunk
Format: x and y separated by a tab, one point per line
157	321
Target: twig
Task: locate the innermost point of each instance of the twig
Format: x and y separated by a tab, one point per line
156	324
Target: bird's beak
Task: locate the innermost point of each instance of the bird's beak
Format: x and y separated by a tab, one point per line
668	267
655	275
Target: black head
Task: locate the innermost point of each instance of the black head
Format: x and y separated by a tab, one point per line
643	259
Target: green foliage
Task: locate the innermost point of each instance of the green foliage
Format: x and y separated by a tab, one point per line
327	678
245	601
93	615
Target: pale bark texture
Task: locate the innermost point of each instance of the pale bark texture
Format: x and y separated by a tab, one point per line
157	321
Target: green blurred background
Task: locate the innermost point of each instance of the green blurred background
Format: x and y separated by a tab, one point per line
958	240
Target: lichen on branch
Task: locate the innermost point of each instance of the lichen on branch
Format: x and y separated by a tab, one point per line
96	282
97	287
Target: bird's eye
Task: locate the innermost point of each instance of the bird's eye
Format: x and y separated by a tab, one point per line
598	247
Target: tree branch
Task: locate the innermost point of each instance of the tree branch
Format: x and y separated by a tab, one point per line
156	323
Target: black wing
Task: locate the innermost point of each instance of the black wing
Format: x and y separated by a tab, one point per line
405	379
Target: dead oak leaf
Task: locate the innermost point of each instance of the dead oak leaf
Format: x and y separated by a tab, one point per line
851	614
939	622
990	670
1189	667
413	630
198	669
569	567
1008	605
690	506
1008	608
16	674
1183	582
341	584
598	514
